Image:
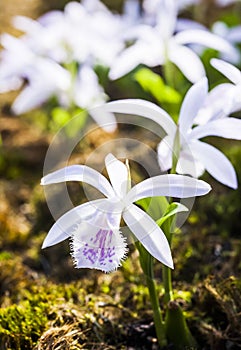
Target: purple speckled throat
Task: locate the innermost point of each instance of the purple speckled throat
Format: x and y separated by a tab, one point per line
99	248
102	249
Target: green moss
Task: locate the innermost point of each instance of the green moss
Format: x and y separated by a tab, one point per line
21	325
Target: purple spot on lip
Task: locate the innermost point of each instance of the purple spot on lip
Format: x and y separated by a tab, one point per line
100	250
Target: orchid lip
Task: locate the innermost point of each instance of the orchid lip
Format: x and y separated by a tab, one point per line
102	249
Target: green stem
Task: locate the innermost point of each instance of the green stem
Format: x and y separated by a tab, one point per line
146	261
167	283
157	316
168	74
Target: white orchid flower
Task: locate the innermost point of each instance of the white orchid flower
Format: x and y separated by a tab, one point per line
47	78
155	45
183	140
79	33
94	227
18	61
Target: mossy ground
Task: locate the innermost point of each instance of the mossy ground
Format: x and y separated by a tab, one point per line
45	303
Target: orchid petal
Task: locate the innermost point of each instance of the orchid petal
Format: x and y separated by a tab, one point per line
184	58
215	106
225	127
227	69
216	164
105	120
51	17
168	185
167	16
64	226
205	38
193	100
144	109
80	173
128	60
30	98
131	11
234	34
187	24
9	84
26	24
149	234
164	151
131	57
189	163
118	174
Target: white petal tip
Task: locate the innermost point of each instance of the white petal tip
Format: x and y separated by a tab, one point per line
44	245
204	188
110	128
233	185
109	158
169	264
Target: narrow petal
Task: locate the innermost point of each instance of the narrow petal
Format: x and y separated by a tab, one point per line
215	106
129	59
168	185
167	17
193	101
187	24
184	58
234	34
144	109
164	151
205	38
30	98
138	53
118	174
227	69
64	226
149	234
106	120
189	162
80	173
26	24
216	164
10	84
229	128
